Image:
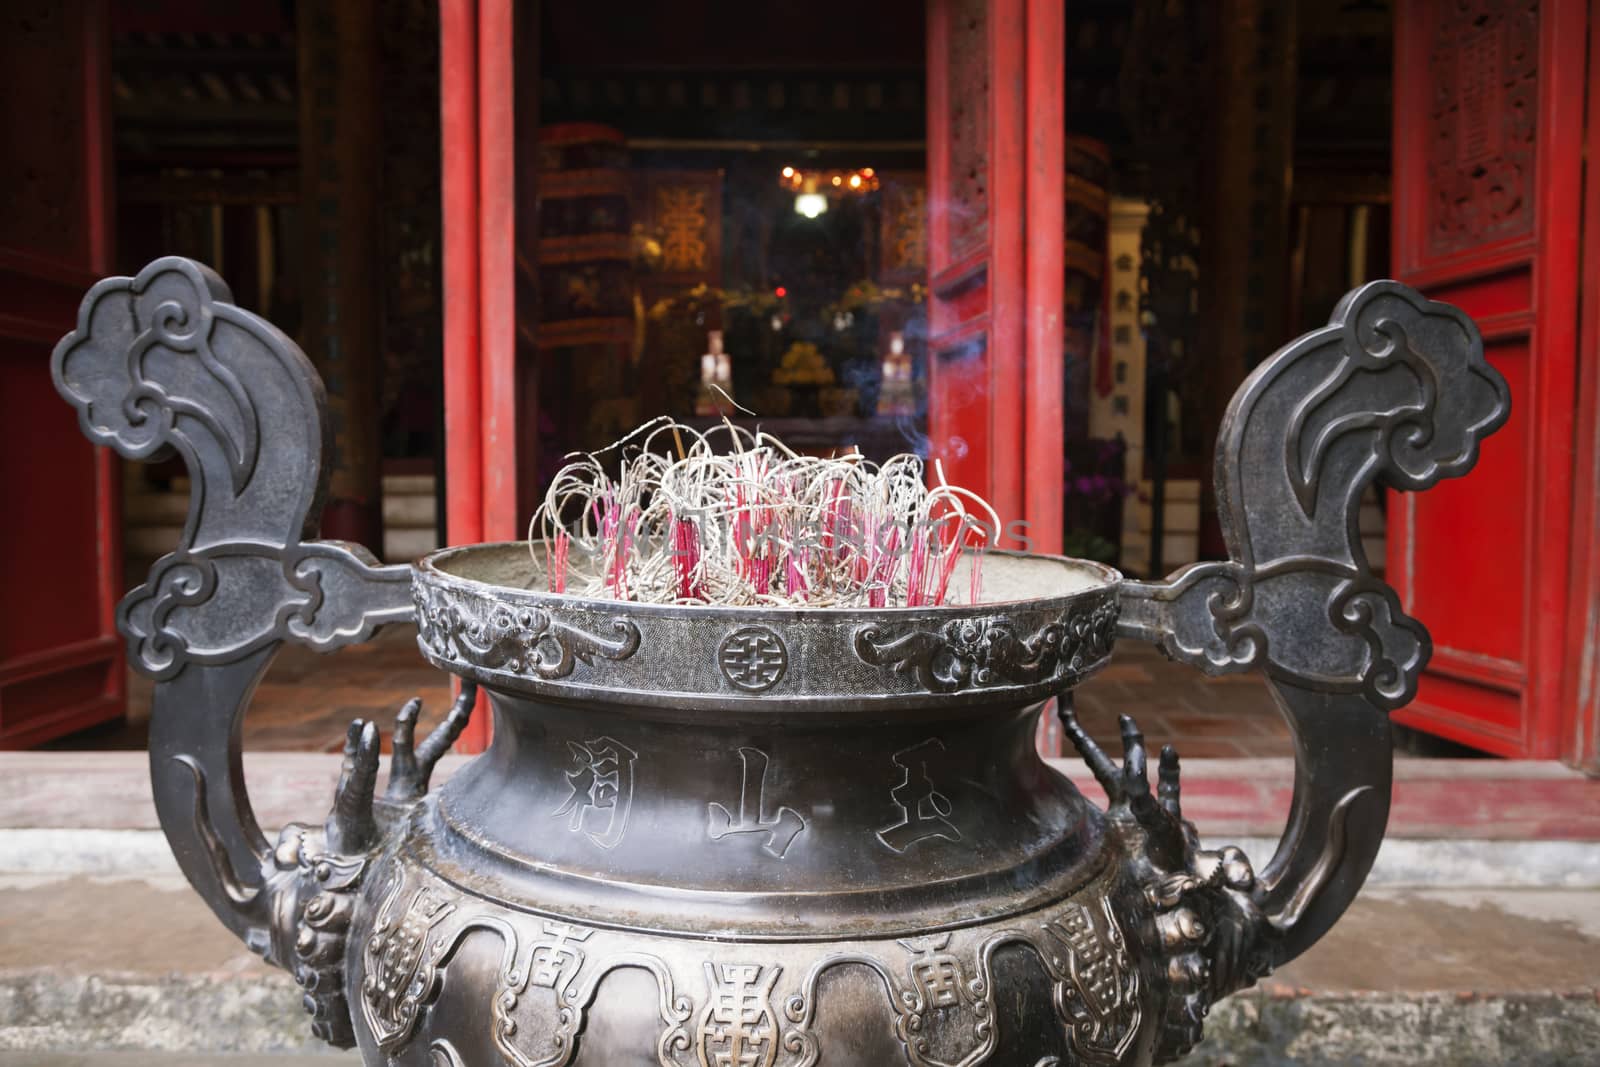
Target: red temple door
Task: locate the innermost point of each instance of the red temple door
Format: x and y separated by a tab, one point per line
996	241
995	227
488	72
60	565
1489	128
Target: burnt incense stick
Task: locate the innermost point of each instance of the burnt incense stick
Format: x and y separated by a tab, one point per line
734	517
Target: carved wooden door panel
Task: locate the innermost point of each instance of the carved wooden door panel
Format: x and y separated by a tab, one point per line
60	553
975	256
1489	99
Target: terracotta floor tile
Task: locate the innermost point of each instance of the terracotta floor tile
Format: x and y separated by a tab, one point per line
1212	748
307	700
1211	725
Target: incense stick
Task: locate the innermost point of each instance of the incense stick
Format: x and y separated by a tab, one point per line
730	517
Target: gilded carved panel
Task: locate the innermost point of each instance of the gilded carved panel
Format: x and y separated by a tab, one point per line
680	216
903	235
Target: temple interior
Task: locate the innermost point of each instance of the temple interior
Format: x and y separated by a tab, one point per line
722	211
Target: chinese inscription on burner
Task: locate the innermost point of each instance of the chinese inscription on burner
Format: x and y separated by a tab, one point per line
753	659
936	972
781	827
737	1025
602	790
556	961
924	811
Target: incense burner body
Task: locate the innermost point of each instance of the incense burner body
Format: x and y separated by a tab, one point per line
707	836
752	837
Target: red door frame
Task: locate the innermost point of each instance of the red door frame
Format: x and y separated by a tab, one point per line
1044	230
47	692
478	142
1523	292
995	250
1581	732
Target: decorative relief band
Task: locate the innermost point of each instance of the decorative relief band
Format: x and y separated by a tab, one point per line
750	1005
986	652
520	640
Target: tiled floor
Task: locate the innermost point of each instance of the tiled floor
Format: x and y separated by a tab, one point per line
1227	717
307	700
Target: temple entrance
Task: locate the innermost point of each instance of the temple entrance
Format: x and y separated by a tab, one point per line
1036	243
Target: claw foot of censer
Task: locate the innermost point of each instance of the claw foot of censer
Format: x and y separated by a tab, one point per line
765	834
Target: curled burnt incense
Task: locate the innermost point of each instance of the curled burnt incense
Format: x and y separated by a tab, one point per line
731	517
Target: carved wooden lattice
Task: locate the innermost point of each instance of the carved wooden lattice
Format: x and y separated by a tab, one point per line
1484	65
969	129
43	181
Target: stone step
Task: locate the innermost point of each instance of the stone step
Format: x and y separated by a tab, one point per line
145	504
420	484
107	959
155	508
1459	977
404	545
408	510
150	542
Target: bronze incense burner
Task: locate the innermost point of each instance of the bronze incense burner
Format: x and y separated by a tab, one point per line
770	837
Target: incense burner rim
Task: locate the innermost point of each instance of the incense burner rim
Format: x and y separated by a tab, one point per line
1101	575
758	660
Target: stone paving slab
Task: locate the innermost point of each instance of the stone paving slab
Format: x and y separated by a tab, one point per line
171	1059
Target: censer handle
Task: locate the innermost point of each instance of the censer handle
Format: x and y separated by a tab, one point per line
1396	388
165	362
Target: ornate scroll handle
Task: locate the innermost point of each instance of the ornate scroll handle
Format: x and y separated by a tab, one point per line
164	361
1394	386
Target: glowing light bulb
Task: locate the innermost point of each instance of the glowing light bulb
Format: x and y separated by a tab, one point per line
810	204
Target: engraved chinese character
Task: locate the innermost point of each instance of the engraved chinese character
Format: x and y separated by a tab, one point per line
1094	967
935	972
940	980
781	827
753	659
924	811
555	962
602	790
737	1028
